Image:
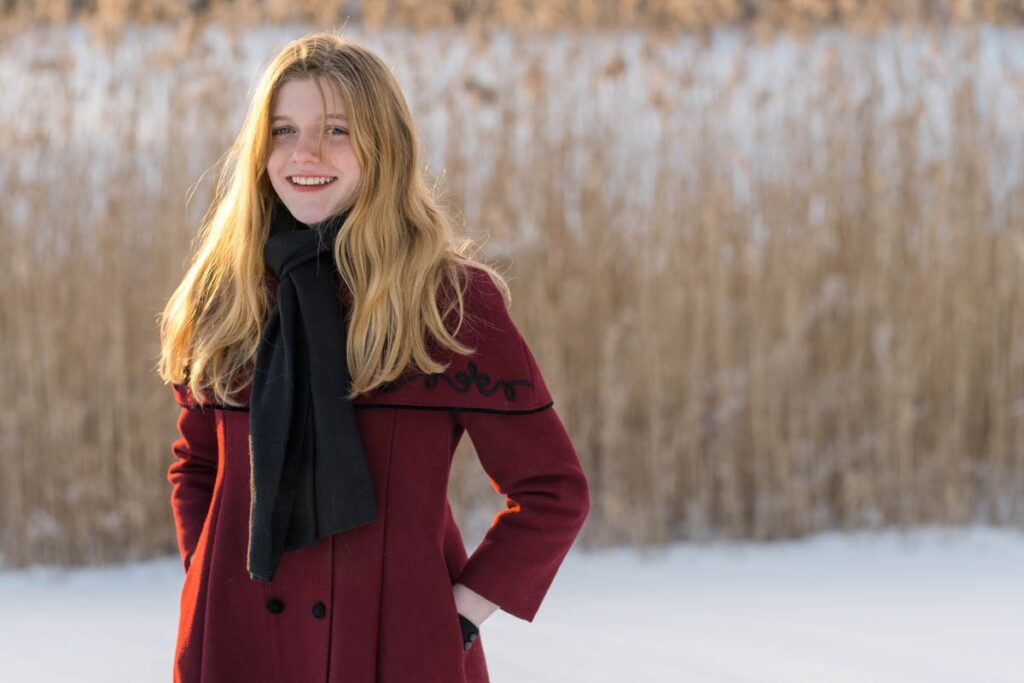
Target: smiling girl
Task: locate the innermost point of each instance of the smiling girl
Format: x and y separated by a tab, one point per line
329	344
312	179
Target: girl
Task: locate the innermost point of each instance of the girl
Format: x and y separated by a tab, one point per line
329	344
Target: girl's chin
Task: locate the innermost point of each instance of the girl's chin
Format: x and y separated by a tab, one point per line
310	209
307	214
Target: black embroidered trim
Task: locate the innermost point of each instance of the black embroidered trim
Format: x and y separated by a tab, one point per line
462	382
400	406
456	409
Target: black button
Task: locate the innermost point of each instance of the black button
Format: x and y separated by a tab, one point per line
275	605
319	610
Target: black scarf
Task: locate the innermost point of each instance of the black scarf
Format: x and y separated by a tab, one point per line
309	473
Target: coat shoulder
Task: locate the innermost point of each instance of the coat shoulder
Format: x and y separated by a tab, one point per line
500	375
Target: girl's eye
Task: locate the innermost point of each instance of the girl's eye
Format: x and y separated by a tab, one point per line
335	130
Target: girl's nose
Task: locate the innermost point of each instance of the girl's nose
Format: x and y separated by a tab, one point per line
308	146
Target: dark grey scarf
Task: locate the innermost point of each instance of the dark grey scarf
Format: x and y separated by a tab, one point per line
309	473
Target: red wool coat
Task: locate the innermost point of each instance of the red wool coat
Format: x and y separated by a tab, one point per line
374	604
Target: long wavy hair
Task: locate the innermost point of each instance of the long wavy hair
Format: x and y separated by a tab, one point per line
397	252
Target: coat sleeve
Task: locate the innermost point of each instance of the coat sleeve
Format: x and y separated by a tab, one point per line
527	454
531	461
193	472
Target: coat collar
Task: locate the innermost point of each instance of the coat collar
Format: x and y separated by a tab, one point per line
501	376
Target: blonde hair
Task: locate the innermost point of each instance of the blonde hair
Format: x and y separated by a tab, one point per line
397	251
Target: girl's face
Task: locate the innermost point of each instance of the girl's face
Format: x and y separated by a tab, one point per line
295	124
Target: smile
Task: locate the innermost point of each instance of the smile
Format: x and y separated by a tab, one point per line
311	181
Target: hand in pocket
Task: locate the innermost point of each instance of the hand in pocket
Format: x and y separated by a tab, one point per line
470	632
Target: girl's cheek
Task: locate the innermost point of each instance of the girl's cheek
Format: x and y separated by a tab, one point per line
278	153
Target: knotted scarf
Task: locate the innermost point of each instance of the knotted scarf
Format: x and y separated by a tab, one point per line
309	473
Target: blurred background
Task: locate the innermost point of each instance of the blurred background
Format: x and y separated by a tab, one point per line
769	255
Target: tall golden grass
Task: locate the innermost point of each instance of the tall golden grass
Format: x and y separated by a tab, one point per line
790	15
840	346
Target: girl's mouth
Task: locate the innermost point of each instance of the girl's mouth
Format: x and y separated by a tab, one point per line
311	184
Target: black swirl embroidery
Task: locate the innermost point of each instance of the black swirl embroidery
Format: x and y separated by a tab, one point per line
462	382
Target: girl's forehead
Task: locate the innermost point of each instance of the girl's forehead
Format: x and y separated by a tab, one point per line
308	83
297	96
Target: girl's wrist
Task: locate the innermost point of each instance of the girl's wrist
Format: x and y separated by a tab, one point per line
471	605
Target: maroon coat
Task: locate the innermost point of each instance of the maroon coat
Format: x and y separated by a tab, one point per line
375	603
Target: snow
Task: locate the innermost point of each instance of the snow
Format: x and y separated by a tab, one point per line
928	605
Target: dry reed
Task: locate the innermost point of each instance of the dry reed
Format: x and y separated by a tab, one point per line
660	15
819	328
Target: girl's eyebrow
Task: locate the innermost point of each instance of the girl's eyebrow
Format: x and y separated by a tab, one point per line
340	117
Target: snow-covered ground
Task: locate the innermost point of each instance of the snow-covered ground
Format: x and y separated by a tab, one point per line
930	606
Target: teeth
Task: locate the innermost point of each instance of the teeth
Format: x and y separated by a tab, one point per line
323	180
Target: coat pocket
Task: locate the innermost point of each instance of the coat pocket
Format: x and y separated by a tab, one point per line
454	627
453	624
452	617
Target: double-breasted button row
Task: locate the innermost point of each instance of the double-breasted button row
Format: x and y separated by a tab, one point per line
275	606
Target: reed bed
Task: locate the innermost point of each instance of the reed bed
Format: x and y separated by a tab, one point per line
659	15
774	288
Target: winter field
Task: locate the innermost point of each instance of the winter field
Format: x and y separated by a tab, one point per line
774	287
932	606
